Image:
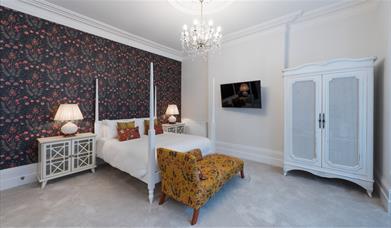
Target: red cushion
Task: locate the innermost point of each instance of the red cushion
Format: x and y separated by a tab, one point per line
128	134
123	134
158	129
134	133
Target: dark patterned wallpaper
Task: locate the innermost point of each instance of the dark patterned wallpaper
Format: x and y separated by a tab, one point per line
43	64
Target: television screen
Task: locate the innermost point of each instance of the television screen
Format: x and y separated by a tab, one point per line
241	95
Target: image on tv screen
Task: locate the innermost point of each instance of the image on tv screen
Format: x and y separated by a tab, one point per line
241	94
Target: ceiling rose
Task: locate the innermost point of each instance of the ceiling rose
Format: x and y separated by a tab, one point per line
192	7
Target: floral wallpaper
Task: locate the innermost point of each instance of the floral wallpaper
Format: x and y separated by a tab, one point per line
43	65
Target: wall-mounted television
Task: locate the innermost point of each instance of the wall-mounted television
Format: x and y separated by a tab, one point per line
241	95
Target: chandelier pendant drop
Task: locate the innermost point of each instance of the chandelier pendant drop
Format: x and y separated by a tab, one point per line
201	37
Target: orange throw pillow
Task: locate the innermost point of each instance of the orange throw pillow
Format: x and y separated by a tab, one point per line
146	125
125	125
158	127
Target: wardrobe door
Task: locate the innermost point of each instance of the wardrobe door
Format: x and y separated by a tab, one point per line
345	104
303	103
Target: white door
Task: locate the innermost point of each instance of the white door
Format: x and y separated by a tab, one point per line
304	134
345	97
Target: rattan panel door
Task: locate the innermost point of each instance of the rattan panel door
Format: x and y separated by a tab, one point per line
304	131
345	117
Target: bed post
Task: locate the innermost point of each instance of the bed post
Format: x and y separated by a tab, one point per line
96	130
155	101
151	141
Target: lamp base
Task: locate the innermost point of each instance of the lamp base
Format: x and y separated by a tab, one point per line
69	129
172	119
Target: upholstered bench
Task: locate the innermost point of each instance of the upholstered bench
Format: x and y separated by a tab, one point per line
192	179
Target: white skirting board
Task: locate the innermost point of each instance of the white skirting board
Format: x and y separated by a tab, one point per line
13	177
262	155
385	195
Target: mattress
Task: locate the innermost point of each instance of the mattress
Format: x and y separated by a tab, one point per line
132	156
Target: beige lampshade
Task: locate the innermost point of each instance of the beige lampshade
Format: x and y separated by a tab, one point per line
172	110
68	112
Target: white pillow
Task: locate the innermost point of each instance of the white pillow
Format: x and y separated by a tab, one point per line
103	131
109	128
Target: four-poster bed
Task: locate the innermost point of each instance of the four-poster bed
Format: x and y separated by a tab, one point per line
138	157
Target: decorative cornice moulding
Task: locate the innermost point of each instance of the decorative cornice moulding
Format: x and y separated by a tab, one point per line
329	9
60	15
262	27
292	18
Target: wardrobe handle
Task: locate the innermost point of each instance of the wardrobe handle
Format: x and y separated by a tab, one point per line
320	120
324	121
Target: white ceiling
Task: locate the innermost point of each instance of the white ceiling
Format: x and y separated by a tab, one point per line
161	22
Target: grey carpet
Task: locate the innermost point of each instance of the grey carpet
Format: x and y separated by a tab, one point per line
264	198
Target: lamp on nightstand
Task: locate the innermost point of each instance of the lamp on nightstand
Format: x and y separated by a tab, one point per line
68	112
172	110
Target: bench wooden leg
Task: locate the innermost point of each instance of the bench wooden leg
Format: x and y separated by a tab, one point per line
195	216
241	173
162	198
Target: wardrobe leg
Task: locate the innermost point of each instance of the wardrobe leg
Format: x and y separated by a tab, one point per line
195	216
242	173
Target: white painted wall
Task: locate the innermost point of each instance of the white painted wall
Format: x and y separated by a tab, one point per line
195	95
256	57
350	33
383	108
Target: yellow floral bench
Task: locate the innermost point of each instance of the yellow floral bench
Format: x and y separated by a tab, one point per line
192	179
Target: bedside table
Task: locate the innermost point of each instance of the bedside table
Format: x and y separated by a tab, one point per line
178	128
60	156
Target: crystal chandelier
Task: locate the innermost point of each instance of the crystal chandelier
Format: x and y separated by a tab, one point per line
202	37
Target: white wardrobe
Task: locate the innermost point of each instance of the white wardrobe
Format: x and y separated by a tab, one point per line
328	122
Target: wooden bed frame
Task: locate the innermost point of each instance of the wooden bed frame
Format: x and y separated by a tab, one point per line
152	176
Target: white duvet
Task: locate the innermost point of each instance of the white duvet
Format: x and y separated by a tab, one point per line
132	156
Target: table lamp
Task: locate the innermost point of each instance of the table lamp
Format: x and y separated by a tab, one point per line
68	112
172	110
